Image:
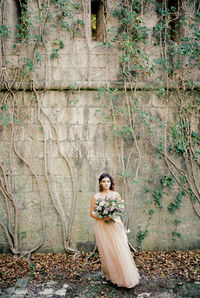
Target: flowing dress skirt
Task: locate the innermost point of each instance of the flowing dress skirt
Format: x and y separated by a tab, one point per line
117	262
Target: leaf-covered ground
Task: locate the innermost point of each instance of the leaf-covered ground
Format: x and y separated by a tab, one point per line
163	267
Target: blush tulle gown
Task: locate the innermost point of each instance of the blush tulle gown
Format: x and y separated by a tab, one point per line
117	262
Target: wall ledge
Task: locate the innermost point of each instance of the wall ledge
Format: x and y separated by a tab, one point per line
91	85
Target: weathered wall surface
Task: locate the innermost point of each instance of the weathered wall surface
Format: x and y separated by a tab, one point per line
62	137
81	60
88	141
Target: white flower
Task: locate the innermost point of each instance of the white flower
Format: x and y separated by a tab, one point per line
101	203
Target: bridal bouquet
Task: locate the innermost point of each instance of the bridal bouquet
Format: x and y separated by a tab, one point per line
109	207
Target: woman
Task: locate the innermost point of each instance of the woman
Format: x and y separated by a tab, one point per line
117	262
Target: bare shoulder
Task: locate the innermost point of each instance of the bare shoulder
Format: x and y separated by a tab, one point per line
96	195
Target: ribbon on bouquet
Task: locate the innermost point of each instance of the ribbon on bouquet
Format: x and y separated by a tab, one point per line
118	220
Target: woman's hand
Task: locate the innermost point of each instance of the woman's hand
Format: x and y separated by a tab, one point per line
106	218
92	213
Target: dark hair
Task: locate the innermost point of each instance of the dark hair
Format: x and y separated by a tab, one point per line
111	180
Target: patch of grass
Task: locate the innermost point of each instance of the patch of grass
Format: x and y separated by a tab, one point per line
187	289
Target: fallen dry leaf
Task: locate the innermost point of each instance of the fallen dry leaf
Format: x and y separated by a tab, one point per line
43	267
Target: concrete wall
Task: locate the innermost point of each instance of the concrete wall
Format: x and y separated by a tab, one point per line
68	95
88	141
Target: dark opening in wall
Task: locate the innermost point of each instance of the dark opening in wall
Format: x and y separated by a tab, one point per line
21	7
175	10
22	24
197	6
97	19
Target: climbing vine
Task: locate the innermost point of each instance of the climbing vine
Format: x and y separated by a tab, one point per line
31	35
176	36
173	140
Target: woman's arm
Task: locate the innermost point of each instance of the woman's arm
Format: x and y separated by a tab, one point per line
92	214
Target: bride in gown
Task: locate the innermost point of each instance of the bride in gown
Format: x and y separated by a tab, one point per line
117	262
